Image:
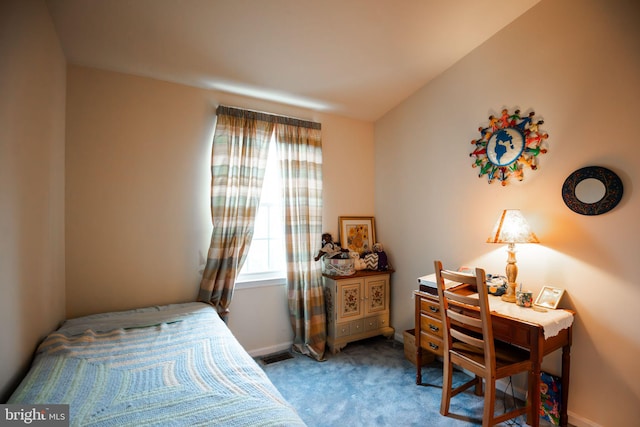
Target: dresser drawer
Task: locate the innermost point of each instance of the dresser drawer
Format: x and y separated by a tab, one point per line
517	334
356	326
343	329
383	321
430	307
431	325
376	322
431	343
371	323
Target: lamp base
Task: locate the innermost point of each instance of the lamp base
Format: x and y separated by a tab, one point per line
508	298
510	295
512	273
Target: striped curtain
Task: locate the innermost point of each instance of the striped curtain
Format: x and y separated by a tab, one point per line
239	157
300	152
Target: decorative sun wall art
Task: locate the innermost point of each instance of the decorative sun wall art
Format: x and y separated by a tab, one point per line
508	144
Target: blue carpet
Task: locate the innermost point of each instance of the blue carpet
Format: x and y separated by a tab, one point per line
370	383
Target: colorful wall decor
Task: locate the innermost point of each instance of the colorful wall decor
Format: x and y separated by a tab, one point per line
508	144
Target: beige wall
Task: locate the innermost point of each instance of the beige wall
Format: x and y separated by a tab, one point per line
137	176
32	116
577	64
137	197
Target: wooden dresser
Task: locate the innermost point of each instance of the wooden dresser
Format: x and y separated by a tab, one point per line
428	323
357	307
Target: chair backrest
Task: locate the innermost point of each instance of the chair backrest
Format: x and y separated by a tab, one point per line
467	329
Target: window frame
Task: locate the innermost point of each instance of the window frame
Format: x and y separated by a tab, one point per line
271	277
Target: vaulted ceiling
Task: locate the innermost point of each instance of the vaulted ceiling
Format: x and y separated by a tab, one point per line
357	58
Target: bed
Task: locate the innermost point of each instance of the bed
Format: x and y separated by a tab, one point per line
169	365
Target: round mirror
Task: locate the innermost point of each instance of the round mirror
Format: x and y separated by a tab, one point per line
592	190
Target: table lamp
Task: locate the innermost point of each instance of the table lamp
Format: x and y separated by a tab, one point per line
512	228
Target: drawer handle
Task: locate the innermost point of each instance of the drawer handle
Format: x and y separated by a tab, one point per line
434	346
434	309
434	328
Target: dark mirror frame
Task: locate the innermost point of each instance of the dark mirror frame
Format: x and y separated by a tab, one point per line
612	196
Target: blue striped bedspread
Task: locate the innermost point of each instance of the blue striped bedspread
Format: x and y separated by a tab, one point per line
170	365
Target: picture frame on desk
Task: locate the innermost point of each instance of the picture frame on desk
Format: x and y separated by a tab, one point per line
357	233
549	297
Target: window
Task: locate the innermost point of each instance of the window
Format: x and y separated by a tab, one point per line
265	263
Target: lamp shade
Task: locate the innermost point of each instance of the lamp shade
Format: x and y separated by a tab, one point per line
512	227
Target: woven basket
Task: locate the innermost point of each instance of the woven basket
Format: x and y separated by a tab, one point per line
338	266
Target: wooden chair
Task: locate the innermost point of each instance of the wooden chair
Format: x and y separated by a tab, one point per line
469	344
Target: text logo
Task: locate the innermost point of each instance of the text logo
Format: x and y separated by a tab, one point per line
34	415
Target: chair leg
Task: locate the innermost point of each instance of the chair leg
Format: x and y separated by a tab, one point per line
489	402
478	389
446	386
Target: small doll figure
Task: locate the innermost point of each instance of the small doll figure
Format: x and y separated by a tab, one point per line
383	261
358	263
504	119
493	123
331	249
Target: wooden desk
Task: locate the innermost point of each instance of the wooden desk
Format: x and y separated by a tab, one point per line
508	329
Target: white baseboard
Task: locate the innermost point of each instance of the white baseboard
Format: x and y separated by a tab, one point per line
578	421
270	350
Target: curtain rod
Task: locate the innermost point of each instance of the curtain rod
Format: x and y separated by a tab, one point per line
267	117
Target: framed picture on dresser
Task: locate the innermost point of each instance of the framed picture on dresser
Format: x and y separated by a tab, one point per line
549	297
357	233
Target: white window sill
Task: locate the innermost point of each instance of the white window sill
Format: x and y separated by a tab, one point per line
260	283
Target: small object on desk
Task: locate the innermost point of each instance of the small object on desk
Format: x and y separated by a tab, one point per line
428	284
524	299
540	309
549	297
497	284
